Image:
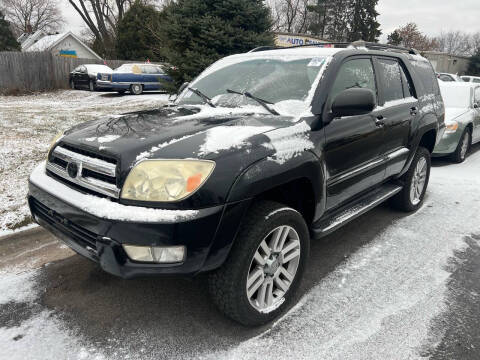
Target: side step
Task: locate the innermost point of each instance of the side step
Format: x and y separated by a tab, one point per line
345	215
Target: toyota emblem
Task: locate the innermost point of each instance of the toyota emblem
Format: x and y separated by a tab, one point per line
72	169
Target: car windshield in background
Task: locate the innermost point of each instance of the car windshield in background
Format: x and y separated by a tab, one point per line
456	96
271	79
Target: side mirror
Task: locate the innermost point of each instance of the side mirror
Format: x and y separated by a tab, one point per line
355	101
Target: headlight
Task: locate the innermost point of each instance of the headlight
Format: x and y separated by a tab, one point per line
451	127
55	140
166	180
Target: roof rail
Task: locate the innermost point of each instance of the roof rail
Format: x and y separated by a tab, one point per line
355	44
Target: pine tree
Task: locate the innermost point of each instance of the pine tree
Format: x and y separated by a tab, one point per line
195	33
7	40
134	33
320	17
394	38
474	65
363	23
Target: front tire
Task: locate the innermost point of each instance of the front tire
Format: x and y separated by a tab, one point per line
91	86
415	182
262	273
463	146
136	89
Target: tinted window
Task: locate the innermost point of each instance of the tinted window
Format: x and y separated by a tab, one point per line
392	79
354	74
408	90
466	78
476	80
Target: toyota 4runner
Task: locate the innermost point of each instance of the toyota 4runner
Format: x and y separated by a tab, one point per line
262	152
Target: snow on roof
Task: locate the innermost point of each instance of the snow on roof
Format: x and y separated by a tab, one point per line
46	42
31	38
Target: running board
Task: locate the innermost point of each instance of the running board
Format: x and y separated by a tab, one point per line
363	205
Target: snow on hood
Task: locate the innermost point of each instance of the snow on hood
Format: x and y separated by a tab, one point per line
452	113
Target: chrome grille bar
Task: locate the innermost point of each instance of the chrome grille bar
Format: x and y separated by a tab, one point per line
99	186
97	165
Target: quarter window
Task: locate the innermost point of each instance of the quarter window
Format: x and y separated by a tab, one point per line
392	79
356	73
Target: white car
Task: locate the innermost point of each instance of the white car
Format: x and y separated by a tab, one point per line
462	119
473	79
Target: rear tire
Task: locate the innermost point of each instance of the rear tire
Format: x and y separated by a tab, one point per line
415	183
271	251
136	89
463	146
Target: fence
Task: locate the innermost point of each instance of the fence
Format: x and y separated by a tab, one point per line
39	71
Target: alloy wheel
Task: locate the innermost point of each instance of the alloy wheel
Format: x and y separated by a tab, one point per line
273	269
418	181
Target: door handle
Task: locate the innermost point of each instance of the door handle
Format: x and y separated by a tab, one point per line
380	121
413	111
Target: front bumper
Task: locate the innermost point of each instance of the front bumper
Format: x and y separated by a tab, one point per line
448	143
103	84
96	228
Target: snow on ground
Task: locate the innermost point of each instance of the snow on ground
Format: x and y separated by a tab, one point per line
28	124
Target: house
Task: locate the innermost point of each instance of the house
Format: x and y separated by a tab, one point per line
64	44
448	63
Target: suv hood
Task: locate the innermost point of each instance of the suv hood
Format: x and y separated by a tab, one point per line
176	133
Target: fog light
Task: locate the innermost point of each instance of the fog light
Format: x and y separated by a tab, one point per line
158	254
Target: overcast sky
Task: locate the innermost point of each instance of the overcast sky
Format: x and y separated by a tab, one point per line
432	16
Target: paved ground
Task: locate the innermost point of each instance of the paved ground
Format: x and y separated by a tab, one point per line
27	126
387	286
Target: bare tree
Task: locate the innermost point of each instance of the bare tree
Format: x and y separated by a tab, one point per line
454	42
33	15
411	37
101	18
290	15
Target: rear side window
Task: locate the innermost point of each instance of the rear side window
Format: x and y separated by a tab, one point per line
357	73
466	78
476	80
477	95
392	79
427	76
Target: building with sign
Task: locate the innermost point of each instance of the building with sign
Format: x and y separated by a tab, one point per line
290	39
64	44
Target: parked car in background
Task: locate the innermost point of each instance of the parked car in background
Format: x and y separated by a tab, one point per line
135	78
462	120
260	153
449	77
85	76
474	79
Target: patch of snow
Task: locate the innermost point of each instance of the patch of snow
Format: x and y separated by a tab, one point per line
228	137
105	208
397	102
20	229
104	139
17	285
149	153
289	142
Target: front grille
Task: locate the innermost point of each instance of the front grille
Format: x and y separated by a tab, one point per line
88	170
80	235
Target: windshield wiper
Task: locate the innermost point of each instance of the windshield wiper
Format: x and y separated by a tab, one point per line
202	95
257	99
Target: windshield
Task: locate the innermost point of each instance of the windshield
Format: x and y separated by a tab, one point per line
273	79
456	96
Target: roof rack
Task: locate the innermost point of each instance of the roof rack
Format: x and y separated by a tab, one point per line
355	44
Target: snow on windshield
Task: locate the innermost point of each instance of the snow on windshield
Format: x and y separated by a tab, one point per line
286	82
456	96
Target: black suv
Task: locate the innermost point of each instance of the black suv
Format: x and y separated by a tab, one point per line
259	154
